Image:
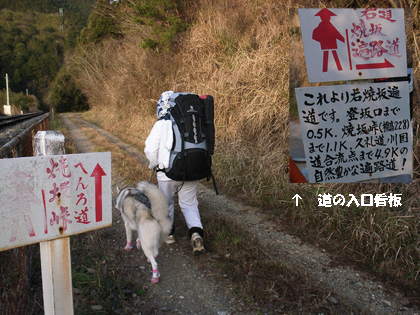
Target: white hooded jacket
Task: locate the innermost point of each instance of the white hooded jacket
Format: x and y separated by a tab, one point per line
158	146
160	140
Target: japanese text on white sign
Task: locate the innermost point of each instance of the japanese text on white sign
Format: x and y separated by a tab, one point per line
53	196
356	132
348	44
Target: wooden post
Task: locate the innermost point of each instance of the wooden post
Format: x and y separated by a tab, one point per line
55	254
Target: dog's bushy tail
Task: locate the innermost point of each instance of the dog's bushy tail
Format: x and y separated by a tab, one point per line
159	206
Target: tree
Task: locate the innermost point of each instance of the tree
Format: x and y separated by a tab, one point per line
66	96
103	22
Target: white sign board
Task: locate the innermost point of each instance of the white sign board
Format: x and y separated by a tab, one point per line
356	132
353	44
49	197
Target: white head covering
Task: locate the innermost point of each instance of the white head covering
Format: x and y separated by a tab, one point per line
164	103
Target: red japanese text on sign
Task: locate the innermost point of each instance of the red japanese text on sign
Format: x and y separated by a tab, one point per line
59	199
348	44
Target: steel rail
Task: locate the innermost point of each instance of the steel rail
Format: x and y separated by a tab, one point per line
10	120
9	146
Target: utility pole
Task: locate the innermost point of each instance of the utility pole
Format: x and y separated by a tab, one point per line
7	89
61	11
7	109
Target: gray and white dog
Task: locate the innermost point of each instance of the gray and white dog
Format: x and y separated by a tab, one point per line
144	209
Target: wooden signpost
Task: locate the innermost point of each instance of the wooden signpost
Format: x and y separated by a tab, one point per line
49	197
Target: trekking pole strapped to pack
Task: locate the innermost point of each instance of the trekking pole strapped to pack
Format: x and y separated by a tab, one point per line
210	130
209	121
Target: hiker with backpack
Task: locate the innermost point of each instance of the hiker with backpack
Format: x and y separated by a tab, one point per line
179	147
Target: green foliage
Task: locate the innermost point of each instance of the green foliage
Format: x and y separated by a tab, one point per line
103	23
32	45
149	43
20	100
75	14
66	96
165	18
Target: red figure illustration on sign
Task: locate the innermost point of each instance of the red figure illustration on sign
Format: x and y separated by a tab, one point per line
327	35
21	206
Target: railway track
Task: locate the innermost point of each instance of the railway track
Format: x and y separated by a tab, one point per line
16	133
7	121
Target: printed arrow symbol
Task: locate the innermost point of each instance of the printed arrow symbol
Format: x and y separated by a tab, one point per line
297	197
379	65
98	172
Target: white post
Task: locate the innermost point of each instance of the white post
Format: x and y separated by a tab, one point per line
7	89
55	254
7	109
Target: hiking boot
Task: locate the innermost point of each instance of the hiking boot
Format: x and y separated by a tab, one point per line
197	244
170	239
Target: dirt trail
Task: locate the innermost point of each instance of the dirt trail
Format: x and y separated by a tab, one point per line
190	285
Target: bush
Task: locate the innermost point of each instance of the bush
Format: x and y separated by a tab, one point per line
19	100
65	96
165	18
103	23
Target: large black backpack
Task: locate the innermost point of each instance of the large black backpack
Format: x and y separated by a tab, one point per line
194	136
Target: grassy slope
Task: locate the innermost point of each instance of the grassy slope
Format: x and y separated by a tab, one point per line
238	51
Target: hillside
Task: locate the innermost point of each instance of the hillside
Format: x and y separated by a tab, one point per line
33	42
238	51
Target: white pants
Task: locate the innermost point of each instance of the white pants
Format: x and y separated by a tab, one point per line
187	199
